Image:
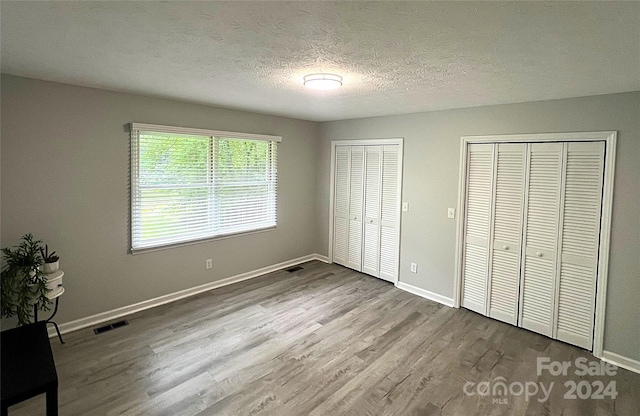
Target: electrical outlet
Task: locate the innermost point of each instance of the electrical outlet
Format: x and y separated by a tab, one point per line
414	268
451	212
209	264
405	206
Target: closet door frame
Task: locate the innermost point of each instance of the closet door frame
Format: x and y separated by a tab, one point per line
367	142
609	138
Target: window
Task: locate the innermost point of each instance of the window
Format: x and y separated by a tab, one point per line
192	184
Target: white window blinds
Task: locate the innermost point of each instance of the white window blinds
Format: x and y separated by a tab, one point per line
192	184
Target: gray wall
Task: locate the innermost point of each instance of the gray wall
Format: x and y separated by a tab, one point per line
431	161
65	167
64	177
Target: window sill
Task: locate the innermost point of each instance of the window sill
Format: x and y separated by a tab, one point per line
199	241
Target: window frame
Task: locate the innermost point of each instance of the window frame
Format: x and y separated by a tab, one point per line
134	153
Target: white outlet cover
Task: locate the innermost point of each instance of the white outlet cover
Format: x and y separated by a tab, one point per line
451	212
405	206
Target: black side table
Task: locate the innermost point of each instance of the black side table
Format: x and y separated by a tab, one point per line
27	367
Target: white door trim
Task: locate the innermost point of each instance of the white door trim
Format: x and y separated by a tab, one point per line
367	142
609	137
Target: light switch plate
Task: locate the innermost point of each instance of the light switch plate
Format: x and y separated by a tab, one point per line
451	212
405	206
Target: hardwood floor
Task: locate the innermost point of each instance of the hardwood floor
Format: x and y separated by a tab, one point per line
321	341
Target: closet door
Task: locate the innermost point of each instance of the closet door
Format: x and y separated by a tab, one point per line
477	224
542	206
366	213
504	262
356	189
373	179
579	242
341	205
389	215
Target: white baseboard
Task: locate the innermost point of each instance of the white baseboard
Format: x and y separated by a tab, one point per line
425	294
321	258
621	361
172	297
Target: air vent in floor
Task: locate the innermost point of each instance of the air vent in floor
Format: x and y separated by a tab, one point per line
294	269
110	326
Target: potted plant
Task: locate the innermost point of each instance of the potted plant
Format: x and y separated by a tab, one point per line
51	261
23	285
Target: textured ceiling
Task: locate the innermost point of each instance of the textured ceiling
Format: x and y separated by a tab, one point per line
395	57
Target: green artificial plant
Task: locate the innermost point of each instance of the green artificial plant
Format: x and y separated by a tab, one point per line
46	257
23	284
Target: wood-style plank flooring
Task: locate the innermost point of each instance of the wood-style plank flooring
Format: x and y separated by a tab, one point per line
321	341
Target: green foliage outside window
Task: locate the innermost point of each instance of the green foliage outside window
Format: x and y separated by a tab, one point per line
181	175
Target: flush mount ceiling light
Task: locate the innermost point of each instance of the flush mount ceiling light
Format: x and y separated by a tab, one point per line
323	81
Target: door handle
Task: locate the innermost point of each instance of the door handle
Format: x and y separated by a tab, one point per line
505	247
539	254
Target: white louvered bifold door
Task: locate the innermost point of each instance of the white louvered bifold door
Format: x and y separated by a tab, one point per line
372	188
389	213
504	263
542	204
356	191
341	205
366	214
579	242
477	223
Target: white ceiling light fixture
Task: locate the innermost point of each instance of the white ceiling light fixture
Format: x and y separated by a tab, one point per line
322	81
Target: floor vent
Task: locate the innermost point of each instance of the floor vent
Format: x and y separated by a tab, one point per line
111	326
294	269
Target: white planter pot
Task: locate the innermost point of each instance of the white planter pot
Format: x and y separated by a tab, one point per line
49	268
55	284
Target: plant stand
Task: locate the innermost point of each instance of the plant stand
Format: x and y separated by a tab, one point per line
54	295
